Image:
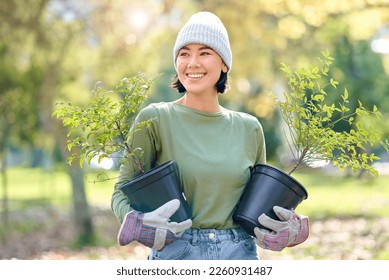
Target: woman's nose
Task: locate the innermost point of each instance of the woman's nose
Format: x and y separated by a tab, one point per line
194	61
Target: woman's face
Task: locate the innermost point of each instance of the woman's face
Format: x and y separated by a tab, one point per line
199	68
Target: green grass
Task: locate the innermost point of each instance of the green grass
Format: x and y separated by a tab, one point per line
328	195
28	186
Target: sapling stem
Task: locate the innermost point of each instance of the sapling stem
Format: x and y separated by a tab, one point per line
299	160
134	157
127	147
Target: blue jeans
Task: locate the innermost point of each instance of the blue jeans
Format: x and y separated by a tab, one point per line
209	244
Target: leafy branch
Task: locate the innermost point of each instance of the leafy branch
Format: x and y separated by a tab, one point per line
311	114
102	127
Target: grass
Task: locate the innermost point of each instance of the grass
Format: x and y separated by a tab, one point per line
28	186
329	196
339	196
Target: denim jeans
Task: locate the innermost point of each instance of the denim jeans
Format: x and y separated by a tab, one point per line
209	244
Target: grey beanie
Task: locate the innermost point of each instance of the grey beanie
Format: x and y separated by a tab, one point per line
207	29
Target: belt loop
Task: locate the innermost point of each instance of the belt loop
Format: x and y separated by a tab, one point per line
194	237
236	235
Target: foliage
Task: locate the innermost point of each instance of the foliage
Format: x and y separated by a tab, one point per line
102	128
311	114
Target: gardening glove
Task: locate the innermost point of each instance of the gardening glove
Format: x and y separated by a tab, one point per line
292	230
152	229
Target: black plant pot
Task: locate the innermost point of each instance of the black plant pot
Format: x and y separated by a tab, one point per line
159	185
267	187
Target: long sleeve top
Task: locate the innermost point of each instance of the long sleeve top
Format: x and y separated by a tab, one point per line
213	151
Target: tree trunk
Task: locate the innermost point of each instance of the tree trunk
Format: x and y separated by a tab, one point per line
81	207
82	214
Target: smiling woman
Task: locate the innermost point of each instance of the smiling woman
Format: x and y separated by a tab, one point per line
214	149
198	69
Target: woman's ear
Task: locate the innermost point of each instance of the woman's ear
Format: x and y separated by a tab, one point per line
225	68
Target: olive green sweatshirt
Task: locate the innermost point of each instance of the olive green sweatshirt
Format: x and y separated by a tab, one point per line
213	151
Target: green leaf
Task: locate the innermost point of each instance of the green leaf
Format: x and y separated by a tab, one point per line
318	97
333	82
345	95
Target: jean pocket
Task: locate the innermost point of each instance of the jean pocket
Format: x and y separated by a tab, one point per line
248	245
174	251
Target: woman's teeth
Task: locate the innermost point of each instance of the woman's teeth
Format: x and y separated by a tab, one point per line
195	75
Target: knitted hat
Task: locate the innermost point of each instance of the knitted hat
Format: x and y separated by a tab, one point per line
207	29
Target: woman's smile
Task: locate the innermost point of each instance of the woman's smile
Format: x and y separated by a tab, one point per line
195	75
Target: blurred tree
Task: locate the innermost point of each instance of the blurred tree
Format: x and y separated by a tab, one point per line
19	121
41	38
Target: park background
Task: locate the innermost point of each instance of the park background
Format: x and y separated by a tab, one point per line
54	50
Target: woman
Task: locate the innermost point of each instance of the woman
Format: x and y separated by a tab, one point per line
214	149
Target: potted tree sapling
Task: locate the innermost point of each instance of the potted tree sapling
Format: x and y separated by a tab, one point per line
104	129
311	112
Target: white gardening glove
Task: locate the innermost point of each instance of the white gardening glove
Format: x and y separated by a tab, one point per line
153	229
292	230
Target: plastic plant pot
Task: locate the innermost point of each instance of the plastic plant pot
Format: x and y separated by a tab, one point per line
154	188
267	187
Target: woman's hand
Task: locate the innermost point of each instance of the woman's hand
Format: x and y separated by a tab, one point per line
292	230
152	229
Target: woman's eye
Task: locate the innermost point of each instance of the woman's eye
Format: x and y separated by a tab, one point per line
205	53
184	54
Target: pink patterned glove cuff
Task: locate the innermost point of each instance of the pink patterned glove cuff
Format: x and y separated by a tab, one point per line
303	232
130	228
133	229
